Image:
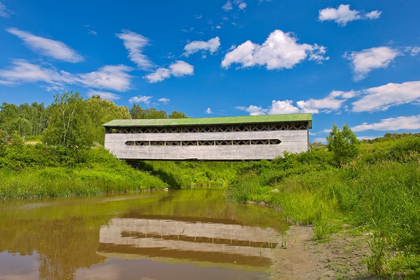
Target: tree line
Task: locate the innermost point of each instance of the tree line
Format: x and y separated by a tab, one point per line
70	121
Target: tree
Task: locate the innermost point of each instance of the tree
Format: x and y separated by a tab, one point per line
21	125
70	124
177	115
17	141
102	111
344	144
3	143
25	119
8	113
36	116
137	112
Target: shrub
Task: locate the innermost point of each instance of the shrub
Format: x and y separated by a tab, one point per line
343	144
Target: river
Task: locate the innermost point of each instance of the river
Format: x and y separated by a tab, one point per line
186	234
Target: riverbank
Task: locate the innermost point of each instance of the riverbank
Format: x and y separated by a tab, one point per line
40	171
378	192
303	258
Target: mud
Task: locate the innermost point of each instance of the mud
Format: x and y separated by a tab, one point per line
303	258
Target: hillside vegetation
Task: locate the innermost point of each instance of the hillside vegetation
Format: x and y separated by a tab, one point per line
374	186
378	191
33	171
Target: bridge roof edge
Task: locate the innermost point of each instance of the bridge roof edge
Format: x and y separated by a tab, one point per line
211	121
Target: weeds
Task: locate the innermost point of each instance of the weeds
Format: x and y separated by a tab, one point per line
283	236
378	191
98	173
376	262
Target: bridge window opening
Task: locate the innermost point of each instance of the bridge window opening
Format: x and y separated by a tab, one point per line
274	141
157	143
206	143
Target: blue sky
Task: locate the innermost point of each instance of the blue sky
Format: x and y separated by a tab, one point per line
347	62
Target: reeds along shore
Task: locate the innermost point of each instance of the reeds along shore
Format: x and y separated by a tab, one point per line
41	171
378	193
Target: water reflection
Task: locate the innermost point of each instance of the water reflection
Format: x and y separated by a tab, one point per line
196	234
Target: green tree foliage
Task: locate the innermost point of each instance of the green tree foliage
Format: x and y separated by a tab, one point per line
27	120
394	136
17	141
343	144
76	123
3	143
137	112
69	125
102	111
177	115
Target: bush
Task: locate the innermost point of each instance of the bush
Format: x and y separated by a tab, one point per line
378	191
38	171
343	144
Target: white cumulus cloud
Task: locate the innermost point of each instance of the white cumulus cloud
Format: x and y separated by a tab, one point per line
383	97
164	100
135	44
211	45
209	111
391	124
282	107
343	14
256	110
23	71
48	47
413	50
280	50
178	69
104	94
158	76
111	77
242	5
141	99
181	68
373	15
333	102
369	59
227	6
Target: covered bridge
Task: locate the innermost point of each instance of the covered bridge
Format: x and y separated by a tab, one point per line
222	138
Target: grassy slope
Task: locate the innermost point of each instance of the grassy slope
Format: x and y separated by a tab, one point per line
378	192
184	174
40	171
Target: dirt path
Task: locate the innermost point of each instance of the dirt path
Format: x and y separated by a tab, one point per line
304	259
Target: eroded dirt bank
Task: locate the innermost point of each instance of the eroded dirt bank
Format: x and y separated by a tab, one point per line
304	258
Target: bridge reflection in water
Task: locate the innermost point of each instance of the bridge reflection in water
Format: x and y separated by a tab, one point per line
202	241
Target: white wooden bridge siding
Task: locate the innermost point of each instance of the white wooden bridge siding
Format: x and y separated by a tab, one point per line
292	141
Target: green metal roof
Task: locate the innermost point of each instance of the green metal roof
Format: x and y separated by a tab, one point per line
212	121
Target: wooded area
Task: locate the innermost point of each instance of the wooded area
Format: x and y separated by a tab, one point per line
71	120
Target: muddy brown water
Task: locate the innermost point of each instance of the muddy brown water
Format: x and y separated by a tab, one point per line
187	234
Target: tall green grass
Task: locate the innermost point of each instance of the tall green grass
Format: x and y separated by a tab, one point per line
191	174
378	192
39	172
